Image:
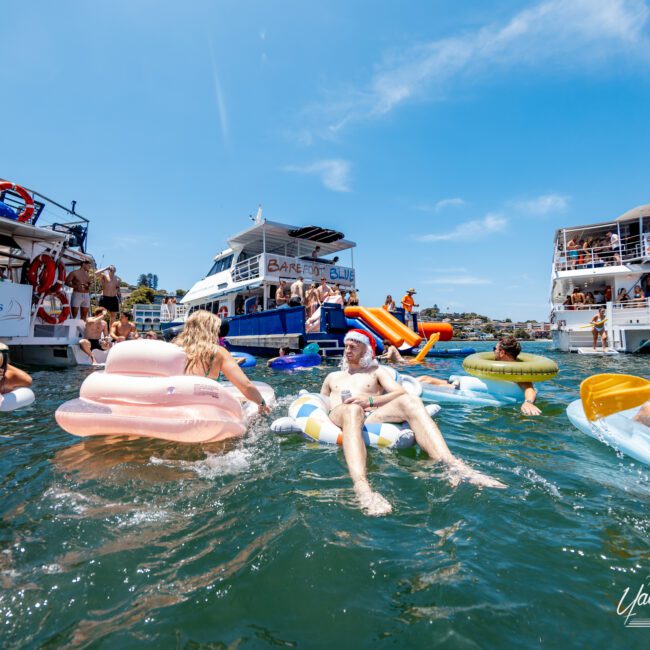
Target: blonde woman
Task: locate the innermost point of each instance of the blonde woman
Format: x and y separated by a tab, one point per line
389	303
206	358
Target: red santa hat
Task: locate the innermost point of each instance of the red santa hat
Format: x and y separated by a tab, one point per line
360	336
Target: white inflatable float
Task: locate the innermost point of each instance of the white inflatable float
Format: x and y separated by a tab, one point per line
16	399
474	392
619	430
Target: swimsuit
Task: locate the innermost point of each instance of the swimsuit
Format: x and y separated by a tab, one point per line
110	303
94	344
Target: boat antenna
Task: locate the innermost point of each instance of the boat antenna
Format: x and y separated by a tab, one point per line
74	203
258	216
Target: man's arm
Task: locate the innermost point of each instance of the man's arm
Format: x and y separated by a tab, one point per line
326	390
530	395
134	331
70	280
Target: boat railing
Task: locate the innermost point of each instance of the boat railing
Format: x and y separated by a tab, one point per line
247	270
631	312
632	249
157	311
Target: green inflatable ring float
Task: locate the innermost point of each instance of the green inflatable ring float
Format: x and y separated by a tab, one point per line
528	367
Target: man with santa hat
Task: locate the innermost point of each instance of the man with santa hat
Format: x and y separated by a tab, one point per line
361	392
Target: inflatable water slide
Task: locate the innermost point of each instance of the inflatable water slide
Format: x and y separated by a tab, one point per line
386	326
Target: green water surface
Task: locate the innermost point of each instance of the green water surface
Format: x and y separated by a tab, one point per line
259	543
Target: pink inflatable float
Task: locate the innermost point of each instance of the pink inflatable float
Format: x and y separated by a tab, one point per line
144	392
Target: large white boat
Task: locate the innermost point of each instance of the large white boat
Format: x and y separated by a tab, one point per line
243	279
49	242
609	264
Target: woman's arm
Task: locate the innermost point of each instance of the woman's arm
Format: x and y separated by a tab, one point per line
238	378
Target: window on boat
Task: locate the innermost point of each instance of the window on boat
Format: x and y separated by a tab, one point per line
222	264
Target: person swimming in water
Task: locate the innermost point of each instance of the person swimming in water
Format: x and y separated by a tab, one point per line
10	376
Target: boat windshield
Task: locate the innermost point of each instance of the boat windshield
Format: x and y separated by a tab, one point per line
220	265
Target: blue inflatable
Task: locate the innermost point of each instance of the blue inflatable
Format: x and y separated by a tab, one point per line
249	359
451	352
7	212
474	392
295	361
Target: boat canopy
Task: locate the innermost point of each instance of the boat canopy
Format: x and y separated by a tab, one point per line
282	239
635	213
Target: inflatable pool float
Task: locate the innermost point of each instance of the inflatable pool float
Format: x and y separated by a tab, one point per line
308	415
411	385
618	430
527	368
249	360
474	392
16	399
295	361
451	352
144	392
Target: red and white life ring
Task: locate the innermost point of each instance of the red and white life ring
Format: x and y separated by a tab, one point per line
61	275
223	312
63	315
28	211
41	273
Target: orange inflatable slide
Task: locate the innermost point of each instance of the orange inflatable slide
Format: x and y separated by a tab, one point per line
445	330
386	326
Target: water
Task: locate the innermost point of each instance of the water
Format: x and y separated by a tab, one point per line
259	543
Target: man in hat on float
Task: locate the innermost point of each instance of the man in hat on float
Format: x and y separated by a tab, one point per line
361	392
407	301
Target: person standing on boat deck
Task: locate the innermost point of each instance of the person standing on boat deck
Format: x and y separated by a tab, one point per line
10	376
324	291
363	392
110	292
615	246
389	304
205	358
639	295
578	298
281	294
407	301
598	328
316	253
79	280
297	293
123	329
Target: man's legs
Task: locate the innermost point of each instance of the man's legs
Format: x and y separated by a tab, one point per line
411	409
84	344
350	418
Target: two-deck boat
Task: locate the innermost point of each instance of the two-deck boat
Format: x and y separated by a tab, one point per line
60	233
242	282
605	261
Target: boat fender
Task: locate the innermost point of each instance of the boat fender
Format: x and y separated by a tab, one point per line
527	368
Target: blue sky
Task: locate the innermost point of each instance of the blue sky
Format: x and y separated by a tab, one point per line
448	142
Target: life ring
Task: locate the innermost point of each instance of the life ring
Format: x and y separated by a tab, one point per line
528	367
223	312
41	273
28	210
65	309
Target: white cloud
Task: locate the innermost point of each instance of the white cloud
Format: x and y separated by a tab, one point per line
449	203
563	33
219	97
334	173
542	205
458	280
470	229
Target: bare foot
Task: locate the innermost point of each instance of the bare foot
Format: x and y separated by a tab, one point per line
459	471
372	503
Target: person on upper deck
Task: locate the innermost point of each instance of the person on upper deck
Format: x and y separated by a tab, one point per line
316	253
206	358
622	296
639	295
407	301
389	303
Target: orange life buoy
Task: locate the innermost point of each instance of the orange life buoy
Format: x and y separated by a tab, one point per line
223	312
64	313
41	273
28	211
